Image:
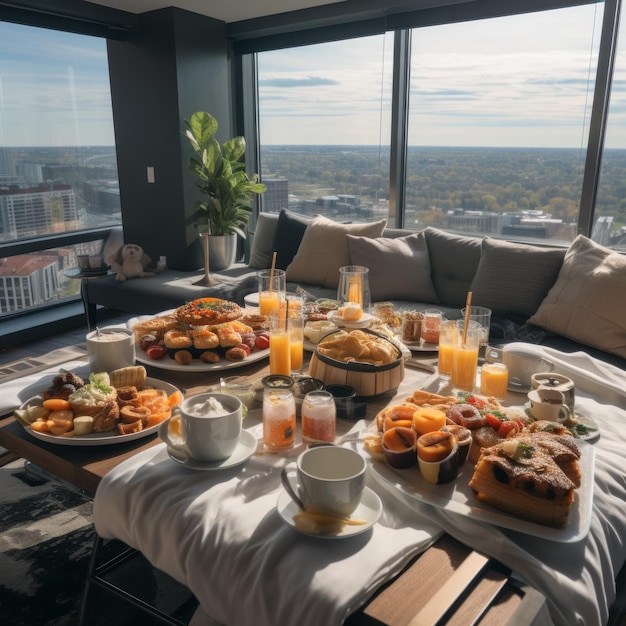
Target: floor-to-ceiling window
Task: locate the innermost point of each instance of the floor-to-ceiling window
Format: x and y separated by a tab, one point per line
58	168
324	118
499	118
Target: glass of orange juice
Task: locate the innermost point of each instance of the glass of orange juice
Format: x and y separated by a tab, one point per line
494	379
447	343
295	325
465	358
272	287
280	352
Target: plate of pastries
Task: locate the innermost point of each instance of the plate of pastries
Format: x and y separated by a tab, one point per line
470	455
207	334
103	409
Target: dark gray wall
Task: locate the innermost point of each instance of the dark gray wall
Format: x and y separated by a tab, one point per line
173	63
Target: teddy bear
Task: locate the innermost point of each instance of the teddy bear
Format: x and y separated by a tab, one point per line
130	261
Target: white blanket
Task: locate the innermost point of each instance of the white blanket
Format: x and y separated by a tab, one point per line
219	533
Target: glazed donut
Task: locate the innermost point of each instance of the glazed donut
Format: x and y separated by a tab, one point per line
130	414
205	339
466	415
177	339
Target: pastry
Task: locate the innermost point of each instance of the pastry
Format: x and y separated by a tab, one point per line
532	476
205	339
228	337
177	340
207	311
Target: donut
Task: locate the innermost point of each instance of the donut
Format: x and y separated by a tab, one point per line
130	414
177	339
466	415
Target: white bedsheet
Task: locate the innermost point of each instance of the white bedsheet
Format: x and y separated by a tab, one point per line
219	533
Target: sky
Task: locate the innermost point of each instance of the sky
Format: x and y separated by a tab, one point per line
520	81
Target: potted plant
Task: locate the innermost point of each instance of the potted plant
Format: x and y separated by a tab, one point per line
227	188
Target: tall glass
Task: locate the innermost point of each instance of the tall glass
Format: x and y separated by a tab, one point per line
280	352
447	344
272	287
481	316
295	325
354	286
318	417
465	361
279	419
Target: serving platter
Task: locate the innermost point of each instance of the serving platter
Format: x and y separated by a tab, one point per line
196	365
99	439
458	497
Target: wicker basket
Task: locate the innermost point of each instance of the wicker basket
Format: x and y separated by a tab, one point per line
366	379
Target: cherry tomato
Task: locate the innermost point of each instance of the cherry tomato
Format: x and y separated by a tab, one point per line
493	421
156	352
262	342
508	429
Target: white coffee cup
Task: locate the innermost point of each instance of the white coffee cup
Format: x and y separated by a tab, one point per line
198	431
548	404
330	479
110	349
521	365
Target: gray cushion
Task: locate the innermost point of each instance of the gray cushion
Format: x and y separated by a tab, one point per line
454	260
514	278
287	236
263	240
399	269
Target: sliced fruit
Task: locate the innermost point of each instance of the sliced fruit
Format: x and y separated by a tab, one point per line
57	404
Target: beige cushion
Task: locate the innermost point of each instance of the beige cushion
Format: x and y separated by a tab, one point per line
588	301
399	268
324	249
514	277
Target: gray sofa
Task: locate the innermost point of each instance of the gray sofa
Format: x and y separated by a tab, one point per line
569	299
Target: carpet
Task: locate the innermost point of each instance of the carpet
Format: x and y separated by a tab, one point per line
46	537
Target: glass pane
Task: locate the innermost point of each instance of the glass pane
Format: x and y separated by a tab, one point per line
498	120
609	228
324	117
58	169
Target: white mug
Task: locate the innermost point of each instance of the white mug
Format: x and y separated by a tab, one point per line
203	430
548	404
110	349
521	365
330	480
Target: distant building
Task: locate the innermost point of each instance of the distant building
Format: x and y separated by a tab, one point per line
484	222
277	195
28	280
36	210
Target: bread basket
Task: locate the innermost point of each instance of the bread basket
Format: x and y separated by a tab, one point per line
367	379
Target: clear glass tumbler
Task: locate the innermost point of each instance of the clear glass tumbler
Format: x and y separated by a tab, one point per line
272	287
318	417
354	286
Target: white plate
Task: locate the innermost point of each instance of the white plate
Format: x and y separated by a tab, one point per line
245	449
100	439
459	497
369	509
421	346
364	322
196	365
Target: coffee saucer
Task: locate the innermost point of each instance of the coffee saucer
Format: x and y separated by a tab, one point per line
369	509
585	427
245	449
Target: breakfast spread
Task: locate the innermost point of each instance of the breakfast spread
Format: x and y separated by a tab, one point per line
232	340
528	468
119	401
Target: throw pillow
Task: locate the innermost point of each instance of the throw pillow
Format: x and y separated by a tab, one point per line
324	249
399	268
287	236
514	278
588	300
454	260
262	241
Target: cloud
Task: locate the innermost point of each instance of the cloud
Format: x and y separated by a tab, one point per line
311	81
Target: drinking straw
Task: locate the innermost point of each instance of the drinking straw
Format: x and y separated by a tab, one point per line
272	271
468	304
